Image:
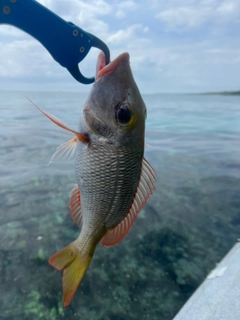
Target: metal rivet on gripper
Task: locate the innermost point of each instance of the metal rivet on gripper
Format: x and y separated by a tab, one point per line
6	10
75	32
81	35
82	49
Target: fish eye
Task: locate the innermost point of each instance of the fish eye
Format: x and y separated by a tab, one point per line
123	114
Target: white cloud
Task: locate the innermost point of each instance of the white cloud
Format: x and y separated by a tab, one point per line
186	14
229	9
120	14
183	17
88	15
91	7
123	8
124	36
196	58
10	32
24	58
127	5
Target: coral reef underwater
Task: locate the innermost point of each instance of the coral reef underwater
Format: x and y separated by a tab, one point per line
151	273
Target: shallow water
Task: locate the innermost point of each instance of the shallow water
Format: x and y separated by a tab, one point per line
187	226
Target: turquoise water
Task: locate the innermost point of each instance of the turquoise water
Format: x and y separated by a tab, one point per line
187	226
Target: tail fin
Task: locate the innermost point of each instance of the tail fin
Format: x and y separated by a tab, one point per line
74	266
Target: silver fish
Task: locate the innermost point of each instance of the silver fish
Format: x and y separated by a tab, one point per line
114	180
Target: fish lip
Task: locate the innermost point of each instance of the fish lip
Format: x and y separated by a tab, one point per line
113	65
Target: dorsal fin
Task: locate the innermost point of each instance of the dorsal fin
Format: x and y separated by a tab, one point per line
65	152
75	206
144	191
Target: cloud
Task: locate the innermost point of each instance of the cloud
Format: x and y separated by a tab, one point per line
187	15
124	36
174	45
25	58
184	17
123	7
9	32
229	10
126	5
88	15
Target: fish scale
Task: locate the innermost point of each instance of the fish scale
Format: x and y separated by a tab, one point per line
106	209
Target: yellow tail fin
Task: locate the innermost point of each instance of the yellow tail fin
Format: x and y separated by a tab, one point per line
74	267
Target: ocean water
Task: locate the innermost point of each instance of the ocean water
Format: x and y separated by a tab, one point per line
187	226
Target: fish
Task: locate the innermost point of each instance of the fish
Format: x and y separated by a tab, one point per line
114	180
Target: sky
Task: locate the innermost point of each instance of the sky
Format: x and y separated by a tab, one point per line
175	46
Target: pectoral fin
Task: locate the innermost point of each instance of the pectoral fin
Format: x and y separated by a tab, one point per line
81	137
144	191
65	152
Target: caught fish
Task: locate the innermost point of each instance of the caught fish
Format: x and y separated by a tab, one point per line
114	180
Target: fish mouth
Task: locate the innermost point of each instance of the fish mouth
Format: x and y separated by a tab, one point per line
103	69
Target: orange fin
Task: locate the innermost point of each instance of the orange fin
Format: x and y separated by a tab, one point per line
65	152
81	137
75	206
74	267
144	191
